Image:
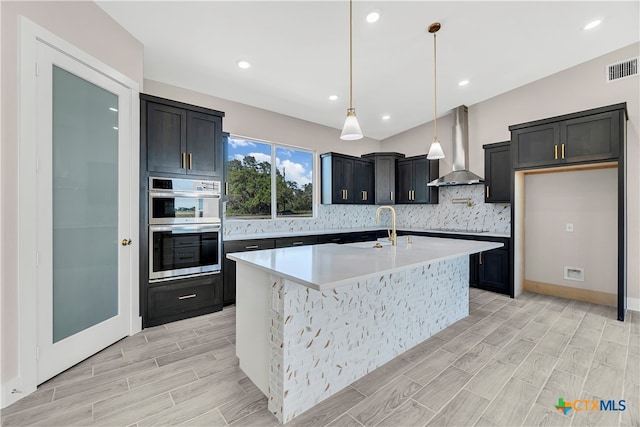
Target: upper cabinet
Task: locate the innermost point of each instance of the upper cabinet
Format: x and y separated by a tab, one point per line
385	176
182	139
497	172
413	174
346	179
584	137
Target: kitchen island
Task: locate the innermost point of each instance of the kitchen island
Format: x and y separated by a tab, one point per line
311	320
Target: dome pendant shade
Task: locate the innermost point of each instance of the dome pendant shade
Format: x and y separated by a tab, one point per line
351	130
435	151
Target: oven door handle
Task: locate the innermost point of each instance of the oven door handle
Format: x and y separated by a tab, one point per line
189	194
183	228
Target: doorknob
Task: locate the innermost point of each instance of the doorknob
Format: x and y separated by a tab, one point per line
126	242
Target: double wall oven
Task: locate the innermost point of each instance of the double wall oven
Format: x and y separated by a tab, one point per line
185	230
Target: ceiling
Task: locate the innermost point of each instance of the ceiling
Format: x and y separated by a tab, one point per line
299	51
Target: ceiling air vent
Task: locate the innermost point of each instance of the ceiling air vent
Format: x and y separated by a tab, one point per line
623	69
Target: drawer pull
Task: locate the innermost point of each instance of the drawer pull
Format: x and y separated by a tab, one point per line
252	247
187	296
297	243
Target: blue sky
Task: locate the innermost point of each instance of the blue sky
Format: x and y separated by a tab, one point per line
297	164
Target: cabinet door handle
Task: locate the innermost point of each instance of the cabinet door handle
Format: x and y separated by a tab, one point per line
364	195
413	195
190	161
487	191
390	195
252	247
187	296
226	188
183	161
346	194
563	151
555	147
480	258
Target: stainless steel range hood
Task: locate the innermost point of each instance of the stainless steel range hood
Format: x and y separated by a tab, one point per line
460	154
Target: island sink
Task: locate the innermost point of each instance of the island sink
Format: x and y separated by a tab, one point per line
311	320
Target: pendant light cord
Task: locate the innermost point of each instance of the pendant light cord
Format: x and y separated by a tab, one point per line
350	55
435	92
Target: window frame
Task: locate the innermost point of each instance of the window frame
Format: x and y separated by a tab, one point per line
274	196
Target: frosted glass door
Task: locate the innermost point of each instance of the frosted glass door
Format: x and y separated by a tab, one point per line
83	197
85	204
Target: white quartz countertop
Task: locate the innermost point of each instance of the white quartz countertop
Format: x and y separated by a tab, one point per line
330	265
278	234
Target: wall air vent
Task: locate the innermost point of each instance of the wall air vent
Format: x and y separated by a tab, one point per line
622	69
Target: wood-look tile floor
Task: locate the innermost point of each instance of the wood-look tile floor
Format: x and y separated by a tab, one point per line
505	364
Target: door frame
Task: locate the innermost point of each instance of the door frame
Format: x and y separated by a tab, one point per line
30	35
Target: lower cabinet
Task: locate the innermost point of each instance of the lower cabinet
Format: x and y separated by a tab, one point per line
176	300
490	270
229	267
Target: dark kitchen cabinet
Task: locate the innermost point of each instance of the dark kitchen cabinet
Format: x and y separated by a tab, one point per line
584	137
290	242
413	174
385	176
168	302
229	266
490	270
346	179
363	182
337	185
181	138
497	172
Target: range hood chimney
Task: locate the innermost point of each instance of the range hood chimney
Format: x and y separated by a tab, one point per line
460	153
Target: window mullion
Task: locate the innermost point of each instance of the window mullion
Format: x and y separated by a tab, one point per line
274	196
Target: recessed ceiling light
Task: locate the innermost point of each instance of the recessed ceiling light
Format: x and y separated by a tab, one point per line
386	117
463	83
373	16
333	97
591	25
243	64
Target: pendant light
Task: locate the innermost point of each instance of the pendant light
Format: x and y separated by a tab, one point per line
435	151
351	130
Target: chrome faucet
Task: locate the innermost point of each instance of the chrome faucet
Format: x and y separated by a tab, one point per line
392	233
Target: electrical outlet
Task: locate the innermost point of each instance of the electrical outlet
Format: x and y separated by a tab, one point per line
569	227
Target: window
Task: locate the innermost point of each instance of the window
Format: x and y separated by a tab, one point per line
257	190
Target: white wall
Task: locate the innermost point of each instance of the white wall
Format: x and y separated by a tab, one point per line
86	26
579	88
581	198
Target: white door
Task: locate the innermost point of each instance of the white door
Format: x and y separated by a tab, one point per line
83	225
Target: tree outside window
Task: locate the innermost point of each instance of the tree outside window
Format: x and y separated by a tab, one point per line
259	191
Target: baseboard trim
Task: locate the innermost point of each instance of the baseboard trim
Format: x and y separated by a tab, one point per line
12	391
594	297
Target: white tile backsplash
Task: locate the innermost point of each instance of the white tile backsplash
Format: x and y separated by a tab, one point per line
491	217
